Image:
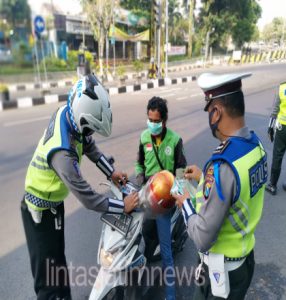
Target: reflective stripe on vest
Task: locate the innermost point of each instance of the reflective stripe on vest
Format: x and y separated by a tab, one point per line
282	108
42	182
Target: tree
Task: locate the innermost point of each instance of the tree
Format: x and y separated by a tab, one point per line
275	32
99	14
236	19
139	5
15	12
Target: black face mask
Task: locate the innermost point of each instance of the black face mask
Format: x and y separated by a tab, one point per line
213	127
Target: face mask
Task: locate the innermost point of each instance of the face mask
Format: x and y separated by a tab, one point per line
155	128
213	127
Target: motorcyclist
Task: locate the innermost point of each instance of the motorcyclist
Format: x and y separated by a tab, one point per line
160	148
55	170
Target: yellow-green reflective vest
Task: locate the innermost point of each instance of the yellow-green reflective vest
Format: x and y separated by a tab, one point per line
42	182
165	152
282	108
248	160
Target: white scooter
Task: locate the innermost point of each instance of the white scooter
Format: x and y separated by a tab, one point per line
121	251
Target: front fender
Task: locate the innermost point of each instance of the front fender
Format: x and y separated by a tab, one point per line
105	281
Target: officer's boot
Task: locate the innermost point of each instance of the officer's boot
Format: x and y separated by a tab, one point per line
271	187
284	186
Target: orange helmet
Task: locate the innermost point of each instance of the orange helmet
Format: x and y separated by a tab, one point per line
158	192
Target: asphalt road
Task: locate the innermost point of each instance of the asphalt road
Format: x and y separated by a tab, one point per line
21	129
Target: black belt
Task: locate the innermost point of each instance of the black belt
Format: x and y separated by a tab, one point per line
230	258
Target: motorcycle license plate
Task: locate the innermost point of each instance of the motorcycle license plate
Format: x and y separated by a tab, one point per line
119	222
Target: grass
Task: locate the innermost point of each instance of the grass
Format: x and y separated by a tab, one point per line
17	70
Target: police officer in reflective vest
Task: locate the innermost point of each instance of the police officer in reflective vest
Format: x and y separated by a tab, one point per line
223	217
277	125
54	170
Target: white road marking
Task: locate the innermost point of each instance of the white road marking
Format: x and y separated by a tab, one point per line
167	95
182	98
170	90
20	122
196	95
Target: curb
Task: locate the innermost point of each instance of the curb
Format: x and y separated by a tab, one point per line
44	85
69	83
48	99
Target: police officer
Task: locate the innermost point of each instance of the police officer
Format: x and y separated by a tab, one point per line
229	200
160	148
277	125
54	170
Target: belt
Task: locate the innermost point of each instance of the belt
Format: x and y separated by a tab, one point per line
230	263
40	203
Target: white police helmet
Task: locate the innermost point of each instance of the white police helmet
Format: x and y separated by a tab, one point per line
89	107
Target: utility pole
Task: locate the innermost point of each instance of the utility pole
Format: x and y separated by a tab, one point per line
157	6
167	37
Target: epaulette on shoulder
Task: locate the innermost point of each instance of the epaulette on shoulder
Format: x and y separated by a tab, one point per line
221	147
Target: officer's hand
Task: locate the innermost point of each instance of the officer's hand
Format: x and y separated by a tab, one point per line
181	198
119	178
271	134
130	202
193	172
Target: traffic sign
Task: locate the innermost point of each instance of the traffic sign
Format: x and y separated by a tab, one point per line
39	24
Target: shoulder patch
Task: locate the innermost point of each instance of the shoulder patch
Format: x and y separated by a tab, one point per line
220	149
149	147
209	181
50	129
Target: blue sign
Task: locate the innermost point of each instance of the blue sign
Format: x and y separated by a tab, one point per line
39	24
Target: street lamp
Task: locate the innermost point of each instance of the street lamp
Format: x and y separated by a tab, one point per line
207	43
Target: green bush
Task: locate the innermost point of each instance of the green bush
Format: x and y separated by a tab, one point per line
72	61
20	55
138	66
55	63
3	88
121	70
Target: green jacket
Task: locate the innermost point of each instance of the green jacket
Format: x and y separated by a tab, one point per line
170	153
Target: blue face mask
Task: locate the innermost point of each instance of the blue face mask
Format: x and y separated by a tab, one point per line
155	128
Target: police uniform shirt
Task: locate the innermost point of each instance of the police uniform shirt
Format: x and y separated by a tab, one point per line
276	106
65	164
204	227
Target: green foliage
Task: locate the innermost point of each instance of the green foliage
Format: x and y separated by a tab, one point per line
141	5
20	55
273	32
15	12
72	61
236	19
53	64
121	70
138	65
3	88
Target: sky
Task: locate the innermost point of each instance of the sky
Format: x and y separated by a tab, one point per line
270	8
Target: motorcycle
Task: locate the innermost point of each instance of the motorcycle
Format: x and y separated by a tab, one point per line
122	246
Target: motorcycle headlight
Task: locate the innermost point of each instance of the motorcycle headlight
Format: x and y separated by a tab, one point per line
106	258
